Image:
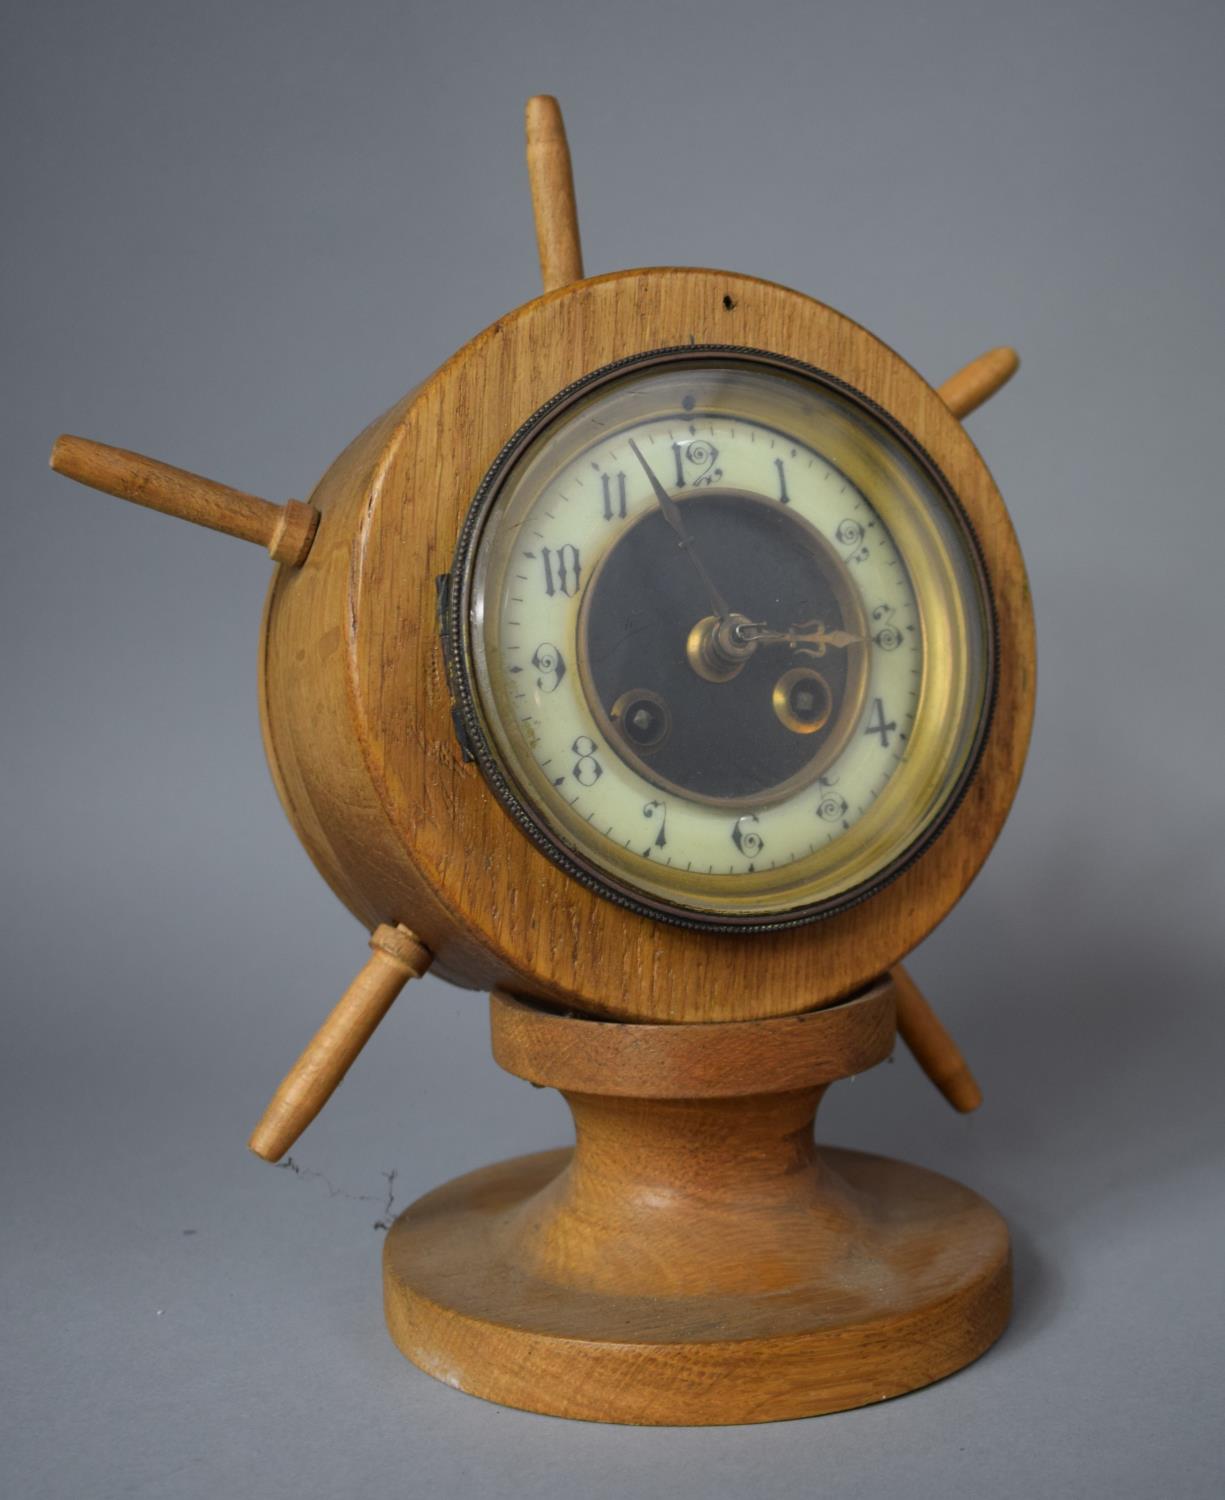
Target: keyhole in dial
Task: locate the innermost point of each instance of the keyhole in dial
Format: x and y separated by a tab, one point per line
802	700
643	718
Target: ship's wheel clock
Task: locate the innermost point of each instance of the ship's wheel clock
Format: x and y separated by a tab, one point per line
664	665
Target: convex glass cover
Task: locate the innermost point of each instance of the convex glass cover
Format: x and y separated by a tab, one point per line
721	639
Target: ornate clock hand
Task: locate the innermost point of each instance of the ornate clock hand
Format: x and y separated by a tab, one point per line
812	635
672	514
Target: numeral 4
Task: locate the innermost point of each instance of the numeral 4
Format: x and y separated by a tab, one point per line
877	724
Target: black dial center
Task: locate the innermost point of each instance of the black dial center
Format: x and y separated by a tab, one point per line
721	740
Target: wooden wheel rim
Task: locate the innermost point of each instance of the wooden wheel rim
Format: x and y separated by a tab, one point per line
406	831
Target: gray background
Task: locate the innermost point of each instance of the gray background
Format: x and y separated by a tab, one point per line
234	233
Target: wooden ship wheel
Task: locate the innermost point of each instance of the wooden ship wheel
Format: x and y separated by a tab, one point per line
662	665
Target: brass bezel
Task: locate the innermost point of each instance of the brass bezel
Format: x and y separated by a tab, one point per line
871	858
359	712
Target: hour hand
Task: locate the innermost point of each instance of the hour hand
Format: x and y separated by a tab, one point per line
812	636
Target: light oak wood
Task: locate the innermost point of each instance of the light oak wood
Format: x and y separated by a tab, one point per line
552	183
979	380
697	1258
712	1060
397	956
934	1049
718	1059
287	531
358	713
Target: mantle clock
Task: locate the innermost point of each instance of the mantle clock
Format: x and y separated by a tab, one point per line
663	666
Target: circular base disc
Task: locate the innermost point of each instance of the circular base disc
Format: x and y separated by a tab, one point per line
922	1288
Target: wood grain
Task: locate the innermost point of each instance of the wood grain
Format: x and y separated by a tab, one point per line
552	183
287	531
713	1060
696	1258
397	956
358	712
934	1049
979	380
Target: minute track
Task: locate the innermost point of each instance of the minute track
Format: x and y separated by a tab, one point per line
702	812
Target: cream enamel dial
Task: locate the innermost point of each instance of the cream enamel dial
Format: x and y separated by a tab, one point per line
721	639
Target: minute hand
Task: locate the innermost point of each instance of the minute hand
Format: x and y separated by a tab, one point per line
672	514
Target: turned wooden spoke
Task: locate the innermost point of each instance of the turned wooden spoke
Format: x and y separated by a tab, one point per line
548	166
396	957
979	380
287	531
934	1049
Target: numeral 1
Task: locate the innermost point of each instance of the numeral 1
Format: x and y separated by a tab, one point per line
783	496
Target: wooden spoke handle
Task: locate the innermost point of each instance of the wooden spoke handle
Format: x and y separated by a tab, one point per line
979	380
552	179
397	956
934	1049
286	530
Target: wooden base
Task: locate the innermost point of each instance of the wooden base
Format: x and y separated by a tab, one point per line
696	1259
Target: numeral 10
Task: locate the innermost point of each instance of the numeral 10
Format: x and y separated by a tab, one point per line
562	570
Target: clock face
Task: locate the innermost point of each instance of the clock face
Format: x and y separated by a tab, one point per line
721	638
